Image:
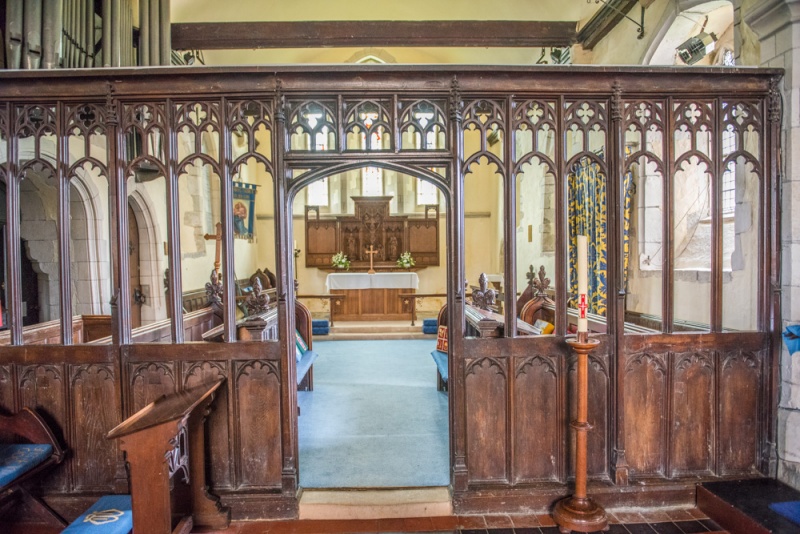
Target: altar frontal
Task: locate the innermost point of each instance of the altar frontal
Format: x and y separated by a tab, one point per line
371	297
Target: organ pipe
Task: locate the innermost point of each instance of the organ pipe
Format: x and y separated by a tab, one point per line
14	37
106	39
32	24
144	32
64	33
165	34
51	33
155	41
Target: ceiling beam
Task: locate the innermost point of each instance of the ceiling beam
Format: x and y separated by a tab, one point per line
604	20
328	34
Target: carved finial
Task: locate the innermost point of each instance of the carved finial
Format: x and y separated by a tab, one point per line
484	297
541	283
214	288
257	301
616	101
280	101
455	100
775	103
111	105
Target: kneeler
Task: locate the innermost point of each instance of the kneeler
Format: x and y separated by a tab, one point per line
23	463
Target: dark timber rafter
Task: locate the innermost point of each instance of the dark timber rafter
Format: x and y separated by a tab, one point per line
606	19
321	34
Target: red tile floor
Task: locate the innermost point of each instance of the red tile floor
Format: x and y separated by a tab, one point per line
688	521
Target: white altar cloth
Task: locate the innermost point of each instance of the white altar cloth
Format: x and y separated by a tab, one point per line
372	281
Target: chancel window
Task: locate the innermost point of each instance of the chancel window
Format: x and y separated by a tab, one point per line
372	182
317	193
426	193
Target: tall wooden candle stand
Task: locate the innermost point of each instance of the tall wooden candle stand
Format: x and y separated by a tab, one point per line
578	512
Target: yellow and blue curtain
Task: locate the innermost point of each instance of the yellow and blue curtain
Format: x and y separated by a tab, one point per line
588	208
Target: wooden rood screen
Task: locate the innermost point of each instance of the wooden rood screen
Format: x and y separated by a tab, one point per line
671	173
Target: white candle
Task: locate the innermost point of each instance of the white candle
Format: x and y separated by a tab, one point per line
583	284
295	244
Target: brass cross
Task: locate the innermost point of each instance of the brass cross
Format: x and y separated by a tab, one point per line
371	253
218	237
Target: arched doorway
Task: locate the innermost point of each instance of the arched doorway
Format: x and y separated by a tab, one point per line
375	414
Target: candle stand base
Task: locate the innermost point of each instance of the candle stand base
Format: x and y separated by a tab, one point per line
579	515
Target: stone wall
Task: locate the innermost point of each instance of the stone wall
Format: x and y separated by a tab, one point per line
777	24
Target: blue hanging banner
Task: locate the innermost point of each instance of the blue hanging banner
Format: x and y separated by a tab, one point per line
791	336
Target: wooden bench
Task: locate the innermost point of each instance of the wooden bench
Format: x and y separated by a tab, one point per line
165	438
28	448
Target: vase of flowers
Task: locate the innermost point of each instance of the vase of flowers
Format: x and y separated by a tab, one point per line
340	261
405	261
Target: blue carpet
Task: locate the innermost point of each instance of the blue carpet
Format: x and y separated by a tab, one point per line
790	510
374	418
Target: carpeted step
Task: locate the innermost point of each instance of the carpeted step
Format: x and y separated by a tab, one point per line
743	506
377	336
375	504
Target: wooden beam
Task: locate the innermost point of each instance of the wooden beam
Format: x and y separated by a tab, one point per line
606	18
328	34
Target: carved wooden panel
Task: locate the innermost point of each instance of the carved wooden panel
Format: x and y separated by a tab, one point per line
739	405
486	391
645	413
539	419
149	381
423	125
218	438
372	225
692	430
258	424
597	459
423	240
321	242
7	388
43	388
94	411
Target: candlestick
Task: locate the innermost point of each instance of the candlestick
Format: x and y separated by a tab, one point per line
579	512
583	284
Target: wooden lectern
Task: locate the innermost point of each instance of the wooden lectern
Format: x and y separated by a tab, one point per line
163	439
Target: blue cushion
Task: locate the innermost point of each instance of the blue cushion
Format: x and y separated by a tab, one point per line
430	322
441	362
305	364
320	327
110	515
427	329
18	459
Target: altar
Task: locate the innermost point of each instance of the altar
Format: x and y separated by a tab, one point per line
371	297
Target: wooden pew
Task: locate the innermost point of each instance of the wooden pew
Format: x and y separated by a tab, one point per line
264	326
165	438
85	329
194	325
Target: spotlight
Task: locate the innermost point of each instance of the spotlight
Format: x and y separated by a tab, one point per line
696	48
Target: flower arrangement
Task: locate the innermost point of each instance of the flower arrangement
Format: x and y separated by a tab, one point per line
340	261
405	260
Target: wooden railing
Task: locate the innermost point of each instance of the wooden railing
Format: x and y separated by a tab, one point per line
411	299
332	299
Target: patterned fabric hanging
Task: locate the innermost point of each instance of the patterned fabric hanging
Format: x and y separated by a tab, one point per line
587	216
